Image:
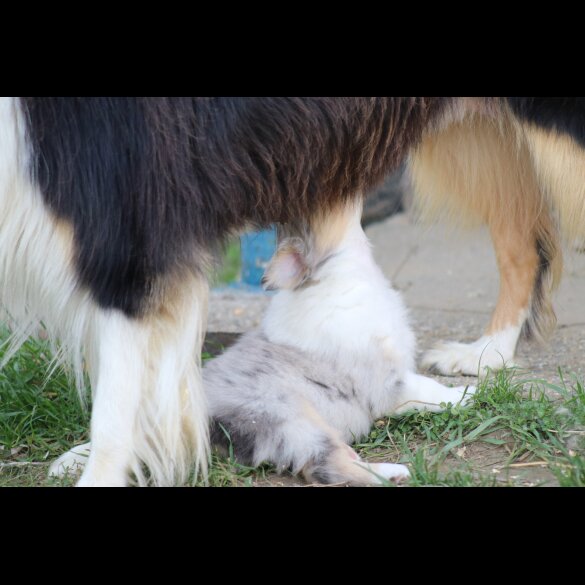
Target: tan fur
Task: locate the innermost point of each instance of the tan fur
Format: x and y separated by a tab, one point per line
341	459
478	168
287	268
518	264
173	340
560	166
475	171
311	414
343	463
328	229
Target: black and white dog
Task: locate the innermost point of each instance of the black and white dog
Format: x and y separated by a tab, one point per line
112	209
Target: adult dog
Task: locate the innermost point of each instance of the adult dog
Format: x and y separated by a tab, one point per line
112	208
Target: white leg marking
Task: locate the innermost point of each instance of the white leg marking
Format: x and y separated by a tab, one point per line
422	393
393	472
493	351
122	347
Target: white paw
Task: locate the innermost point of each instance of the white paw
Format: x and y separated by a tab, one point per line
71	463
460	395
393	472
468	358
90	480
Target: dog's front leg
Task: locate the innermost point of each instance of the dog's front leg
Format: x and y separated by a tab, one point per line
122	345
149	419
418	392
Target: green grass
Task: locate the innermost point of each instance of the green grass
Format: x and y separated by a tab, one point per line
513	424
516	432
231	265
40	418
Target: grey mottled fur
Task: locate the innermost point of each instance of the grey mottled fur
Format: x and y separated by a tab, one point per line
259	391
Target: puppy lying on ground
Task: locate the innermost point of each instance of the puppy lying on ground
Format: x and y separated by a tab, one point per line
334	352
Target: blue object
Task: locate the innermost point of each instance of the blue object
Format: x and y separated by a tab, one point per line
257	249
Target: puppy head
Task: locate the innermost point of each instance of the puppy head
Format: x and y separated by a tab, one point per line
290	266
298	259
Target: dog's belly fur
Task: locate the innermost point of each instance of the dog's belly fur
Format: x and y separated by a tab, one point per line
148	185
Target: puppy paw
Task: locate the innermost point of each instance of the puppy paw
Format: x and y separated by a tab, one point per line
461	395
393	472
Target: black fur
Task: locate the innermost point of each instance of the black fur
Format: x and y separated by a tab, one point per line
318	383
539	302
150	184
563	114
120	171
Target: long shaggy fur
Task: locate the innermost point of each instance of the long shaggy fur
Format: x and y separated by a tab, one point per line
515	164
477	169
112	208
147	183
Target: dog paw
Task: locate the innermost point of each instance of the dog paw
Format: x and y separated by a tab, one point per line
461	395
71	463
470	359
393	472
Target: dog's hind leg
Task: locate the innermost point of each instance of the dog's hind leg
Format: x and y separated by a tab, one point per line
339	463
149	407
333	461
480	170
524	255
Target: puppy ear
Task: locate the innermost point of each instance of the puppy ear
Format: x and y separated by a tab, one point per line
288	268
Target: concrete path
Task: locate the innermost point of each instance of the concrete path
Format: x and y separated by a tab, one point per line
450	283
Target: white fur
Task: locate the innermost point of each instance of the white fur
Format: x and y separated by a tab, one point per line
422	393
387	471
71	463
337	352
332	354
149	403
365	309
489	351
36	274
